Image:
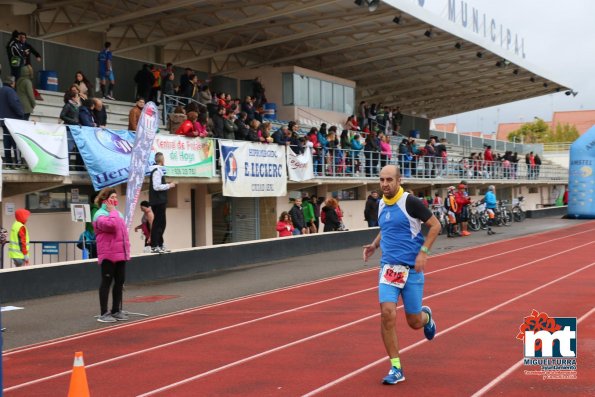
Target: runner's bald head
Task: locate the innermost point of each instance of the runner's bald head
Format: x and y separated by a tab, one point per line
391	170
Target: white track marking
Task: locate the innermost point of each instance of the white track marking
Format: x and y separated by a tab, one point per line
171	343
282	289
458	325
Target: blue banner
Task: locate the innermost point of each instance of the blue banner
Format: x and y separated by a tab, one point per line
106	153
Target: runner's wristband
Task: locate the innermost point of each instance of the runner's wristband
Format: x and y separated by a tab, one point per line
425	249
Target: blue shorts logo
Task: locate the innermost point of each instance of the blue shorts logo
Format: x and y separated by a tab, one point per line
230	162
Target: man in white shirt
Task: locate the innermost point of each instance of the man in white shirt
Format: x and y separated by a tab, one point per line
158	198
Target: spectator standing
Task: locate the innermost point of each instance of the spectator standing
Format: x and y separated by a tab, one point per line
168	89
488	157
362	114
185	80
14	51
537	167
28	50
248	107
25	91
404	255
258	91
156	86
99	113
146	223
158	198
204	96
134	114
86	117
83	85
371	209
356	147
385	150
18	244
451	208
144	80
297	217
371	152
463	200
491	202
241	132
309	215
113	251
106	71
284	225
397	120
329	215
10	108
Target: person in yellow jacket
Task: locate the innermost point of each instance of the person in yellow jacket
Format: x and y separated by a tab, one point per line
18	245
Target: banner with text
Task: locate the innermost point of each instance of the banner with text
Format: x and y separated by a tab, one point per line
186	157
106	154
300	167
44	146
253	169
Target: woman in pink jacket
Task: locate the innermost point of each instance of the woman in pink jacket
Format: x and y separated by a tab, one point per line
113	250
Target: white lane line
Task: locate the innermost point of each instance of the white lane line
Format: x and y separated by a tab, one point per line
277	290
227	366
516	366
494	308
192	337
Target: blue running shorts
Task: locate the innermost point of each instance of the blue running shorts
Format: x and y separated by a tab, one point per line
412	292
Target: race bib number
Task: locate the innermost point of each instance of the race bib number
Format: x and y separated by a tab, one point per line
395	275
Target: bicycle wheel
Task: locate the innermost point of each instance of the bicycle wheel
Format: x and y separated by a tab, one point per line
506	218
483	221
473	223
518	215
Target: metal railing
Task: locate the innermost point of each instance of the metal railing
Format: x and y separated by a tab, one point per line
42	252
557	147
170	102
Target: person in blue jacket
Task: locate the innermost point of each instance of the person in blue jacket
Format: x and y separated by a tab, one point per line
10	108
491	202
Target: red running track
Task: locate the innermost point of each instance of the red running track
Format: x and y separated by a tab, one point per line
322	338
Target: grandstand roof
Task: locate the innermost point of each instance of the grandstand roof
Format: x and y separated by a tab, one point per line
398	64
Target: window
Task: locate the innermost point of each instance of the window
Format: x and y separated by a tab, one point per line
346	194
314	93
288	89
326	95
338	98
349	101
300	90
59	199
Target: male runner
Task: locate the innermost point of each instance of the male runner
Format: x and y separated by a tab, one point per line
404	256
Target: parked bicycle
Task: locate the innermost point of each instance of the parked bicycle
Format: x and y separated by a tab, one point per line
518	215
478	218
503	214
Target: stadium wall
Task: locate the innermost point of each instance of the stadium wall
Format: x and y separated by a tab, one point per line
63	278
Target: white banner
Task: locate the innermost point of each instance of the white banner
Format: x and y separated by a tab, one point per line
44	146
300	167
253	169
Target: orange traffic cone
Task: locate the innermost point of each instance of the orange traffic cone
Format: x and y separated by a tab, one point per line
78	381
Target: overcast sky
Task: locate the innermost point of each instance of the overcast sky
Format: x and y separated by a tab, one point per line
559	37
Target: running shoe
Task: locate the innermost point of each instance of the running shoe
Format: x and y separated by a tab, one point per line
395	375
106	318
430	327
465	233
119	316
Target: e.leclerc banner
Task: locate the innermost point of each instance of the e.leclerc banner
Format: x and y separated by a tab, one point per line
186	157
300	167
106	153
44	146
253	169
148	123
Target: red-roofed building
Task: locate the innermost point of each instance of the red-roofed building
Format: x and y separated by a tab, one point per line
581	119
506	128
447	127
477	134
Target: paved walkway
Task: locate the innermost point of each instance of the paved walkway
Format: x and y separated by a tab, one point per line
53	317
